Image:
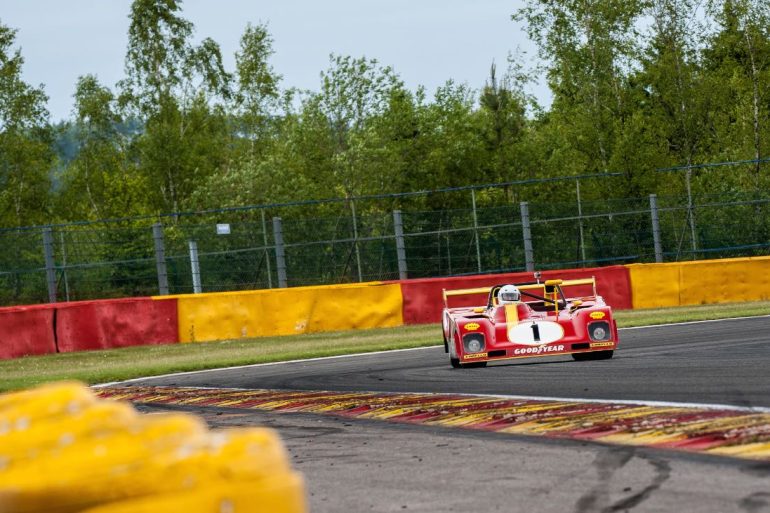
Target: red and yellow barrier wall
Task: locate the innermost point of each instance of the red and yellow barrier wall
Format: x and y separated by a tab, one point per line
83	325
700	282
423	298
291	311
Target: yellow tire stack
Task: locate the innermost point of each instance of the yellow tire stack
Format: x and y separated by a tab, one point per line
64	450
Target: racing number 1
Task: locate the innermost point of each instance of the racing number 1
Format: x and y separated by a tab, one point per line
536	332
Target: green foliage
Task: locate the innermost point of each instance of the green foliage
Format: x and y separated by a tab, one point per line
637	86
25	138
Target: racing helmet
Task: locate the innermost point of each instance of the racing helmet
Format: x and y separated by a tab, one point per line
508	294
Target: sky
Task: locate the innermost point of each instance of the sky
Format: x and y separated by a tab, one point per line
427	42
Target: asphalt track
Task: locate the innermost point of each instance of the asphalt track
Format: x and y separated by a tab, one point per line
360	465
719	362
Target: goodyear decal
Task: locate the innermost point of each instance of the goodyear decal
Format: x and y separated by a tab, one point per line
602	344
475	355
734	433
597	315
472	326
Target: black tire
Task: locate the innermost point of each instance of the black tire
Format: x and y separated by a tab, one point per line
455	362
593	355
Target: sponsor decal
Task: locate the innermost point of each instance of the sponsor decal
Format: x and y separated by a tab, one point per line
538	350
475	355
602	344
535	333
472	326
597	315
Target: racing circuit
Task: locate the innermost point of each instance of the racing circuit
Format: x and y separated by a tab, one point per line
366	465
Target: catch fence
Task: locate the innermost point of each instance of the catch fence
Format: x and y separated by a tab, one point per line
469	230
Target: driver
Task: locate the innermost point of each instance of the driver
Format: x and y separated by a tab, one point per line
508	294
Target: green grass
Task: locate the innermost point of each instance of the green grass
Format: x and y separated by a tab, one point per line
119	364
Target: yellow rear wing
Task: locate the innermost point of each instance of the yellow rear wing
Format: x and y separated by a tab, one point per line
531	286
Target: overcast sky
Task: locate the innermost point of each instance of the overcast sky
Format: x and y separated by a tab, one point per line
425	41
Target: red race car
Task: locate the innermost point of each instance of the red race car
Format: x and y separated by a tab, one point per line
529	319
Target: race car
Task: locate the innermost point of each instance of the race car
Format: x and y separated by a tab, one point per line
529	319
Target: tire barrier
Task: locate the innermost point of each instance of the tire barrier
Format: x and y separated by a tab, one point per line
114	323
26	330
259	313
724	431
423	297
64	449
700	282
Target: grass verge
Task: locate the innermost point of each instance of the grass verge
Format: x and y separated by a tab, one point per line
119	364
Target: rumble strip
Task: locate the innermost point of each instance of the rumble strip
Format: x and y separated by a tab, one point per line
739	433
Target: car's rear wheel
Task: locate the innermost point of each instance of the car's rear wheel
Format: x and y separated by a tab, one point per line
593	355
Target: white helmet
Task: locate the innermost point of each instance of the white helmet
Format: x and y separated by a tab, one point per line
508	294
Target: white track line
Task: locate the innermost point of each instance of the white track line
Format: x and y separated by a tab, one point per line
641	402
268	364
355	355
695	322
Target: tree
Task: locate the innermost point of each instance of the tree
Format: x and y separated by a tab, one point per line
589	47
100	182
178	89
25	142
737	61
504	112
257	90
353	93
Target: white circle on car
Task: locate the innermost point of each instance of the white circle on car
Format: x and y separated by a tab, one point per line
535	333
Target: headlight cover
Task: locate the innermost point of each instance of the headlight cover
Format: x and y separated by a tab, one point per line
473	342
599	330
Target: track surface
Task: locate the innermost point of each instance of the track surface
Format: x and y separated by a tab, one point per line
359	465
719	362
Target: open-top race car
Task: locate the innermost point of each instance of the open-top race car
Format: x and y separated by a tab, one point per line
529	319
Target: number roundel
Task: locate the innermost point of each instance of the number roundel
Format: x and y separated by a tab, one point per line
535	333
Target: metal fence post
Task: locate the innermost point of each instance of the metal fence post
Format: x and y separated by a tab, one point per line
691	211
195	267
655	227
280	255
50	265
476	230
529	257
64	267
355	240
160	258
580	222
267	257
398	227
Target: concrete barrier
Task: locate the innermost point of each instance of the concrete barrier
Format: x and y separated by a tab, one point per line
26	330
106	324
290	311
700	282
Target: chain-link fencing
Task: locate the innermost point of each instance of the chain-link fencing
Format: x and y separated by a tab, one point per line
471	230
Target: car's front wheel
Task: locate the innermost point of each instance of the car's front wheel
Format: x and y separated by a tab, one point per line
455	362
593	355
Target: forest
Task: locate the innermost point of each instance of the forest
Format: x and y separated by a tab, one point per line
637	86
648	97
